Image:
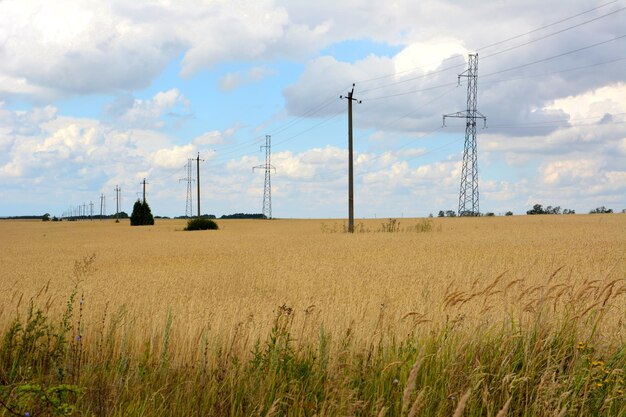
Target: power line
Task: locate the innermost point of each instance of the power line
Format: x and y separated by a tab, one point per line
554	33
494	44
555	72
554	56
546	26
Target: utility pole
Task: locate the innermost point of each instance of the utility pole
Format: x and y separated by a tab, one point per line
144	189
117	202
90	210
268	167
189	179
102	206
198	180
350	162
468	194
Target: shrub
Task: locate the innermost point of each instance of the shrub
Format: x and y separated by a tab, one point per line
201	223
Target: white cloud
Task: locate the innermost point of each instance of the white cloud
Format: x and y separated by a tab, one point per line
215	137
150	113
234	80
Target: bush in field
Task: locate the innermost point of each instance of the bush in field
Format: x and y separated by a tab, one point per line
201	223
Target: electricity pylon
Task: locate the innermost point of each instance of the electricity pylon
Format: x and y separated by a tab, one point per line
268	167
468	195
189	179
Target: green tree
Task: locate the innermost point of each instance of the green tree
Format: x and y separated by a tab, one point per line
601	210
141	215
537	209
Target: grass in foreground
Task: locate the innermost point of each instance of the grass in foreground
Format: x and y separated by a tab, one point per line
552	359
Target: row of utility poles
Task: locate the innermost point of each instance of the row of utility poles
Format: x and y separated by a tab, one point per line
468	196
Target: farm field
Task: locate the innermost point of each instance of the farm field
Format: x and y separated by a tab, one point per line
520	315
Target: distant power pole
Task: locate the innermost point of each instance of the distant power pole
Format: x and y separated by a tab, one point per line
102	206
189	179
350	162
118	190
144	189
468	195
84	210
91	210
268	167
198	180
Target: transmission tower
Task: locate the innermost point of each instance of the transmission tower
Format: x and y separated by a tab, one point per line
468	195
189	179
268	167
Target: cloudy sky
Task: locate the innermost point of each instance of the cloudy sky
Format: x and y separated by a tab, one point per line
97	94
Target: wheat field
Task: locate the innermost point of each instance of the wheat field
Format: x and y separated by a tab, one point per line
203	296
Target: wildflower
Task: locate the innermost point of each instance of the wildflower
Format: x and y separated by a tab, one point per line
599	384
599	364
620	391
581	345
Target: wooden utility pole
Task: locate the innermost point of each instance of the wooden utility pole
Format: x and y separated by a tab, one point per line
144	189
350	163
198	174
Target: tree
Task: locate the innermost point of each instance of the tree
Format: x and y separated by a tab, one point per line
45	217
142	215
508	213
441	214
601	210
537	209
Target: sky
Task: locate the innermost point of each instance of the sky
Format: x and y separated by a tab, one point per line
95	95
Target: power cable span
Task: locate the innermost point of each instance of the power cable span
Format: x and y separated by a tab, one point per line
553	57
491	45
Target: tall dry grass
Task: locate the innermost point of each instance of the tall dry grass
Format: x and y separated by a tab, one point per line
273	318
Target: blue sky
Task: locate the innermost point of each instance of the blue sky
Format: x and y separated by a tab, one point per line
99	94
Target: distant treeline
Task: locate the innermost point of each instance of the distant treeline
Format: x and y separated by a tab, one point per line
244	216
228	216
33	217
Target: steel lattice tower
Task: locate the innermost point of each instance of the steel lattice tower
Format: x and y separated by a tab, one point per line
268	167
468	195
189	179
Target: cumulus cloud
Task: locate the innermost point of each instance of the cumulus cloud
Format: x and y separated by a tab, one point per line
134	41
412	89
234	80
150	113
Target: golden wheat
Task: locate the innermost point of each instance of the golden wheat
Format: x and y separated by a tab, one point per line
226	285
